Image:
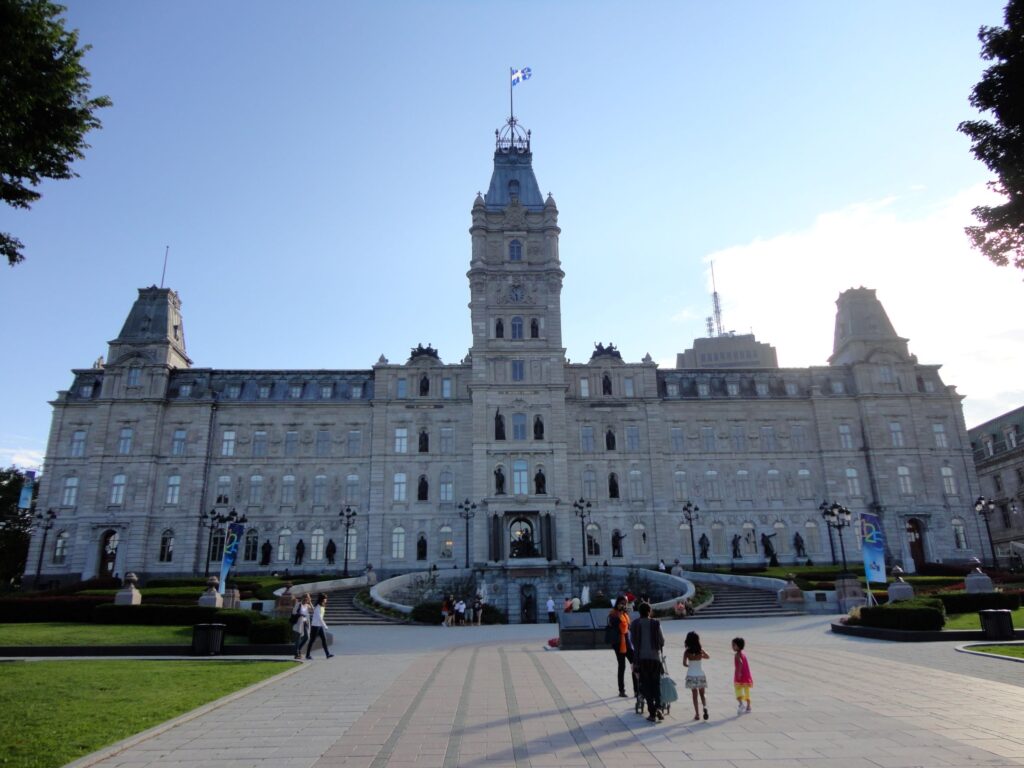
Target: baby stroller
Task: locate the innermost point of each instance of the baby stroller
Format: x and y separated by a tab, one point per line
667	695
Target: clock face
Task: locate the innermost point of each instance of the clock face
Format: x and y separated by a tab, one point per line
516	294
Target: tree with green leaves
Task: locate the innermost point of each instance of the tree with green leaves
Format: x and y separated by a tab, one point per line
45	109
999	144
15	526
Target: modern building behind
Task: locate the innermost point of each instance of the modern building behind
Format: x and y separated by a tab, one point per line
999	460
144	446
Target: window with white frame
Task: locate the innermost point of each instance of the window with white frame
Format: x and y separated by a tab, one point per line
446	487
295	391
78	444
791	388
672	389
326	393
320	489
732	388
896	434
447	542
357	391
447	440
351	542
173	489
627	386
223	489
60	548
676	439
134	376
517	327
948	482
905	483
399	489
355	442
283	544
124	441
885	374
227	443
86	390
738	438
351	488
845	436
587	439
743	489
117	489
520	477
316	544
852	482
803	484
518	426
263	391
639	539
178	442
291	443
589	484
702	389
217	546
593	539
233	391
288	489
398	543
584	387
70	493
256	489
959	534
707	438
1011	437
633	438
761	388
401	440
712	490
773	484
252	545
259	443
679	484
166	546
636	485
939	433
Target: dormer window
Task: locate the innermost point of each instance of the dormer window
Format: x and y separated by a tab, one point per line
515	251
234	390
295	391
134	376
513	190
185	390
85	390
264	392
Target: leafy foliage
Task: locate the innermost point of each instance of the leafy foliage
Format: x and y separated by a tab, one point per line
45	111
15	525
999	144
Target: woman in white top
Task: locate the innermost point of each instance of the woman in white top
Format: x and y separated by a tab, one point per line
319	627
693	657
300	623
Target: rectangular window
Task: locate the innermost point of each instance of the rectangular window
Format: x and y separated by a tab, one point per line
939	431
117	490
773	482
633	438
762	388
291	443
227	445
703	390
447	487
518	370
587	439
288	489
948	482
838	388
672	389
173	489
791	389
584	387
326	391
446	388
70	495
520	482
256	489
178	442
85	390
797	438
351	489
401	389
357	391
676	440
320	489
263	392
885	374
323	442
78	443
732	388
399	489
355	442
896	434
636	485
398	544
707	438
767	438
627	387
845	437
134	376
223	489
712	490
679	485
233	391
743	485
295	391
259	443
124	441
589	484
518	426
401	440
447	440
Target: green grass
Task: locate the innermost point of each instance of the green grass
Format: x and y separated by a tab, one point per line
52	633
59	711
1014	651
973	621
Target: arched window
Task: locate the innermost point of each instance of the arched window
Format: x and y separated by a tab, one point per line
534	329
717	539
352	541
685	542
679	484
803	483
593	539
316	544
283	544
749	539
852	483
812	536
743	485
959	534
905	483
447	542
60	548
447	487
499	329
520	481
217	546
613	485
636	485
398	543
515	248
712	490
774	483
288	489
252	545
117	489
422	489
639	539
781	541
167	546
589	484
517	327
173	489
256	489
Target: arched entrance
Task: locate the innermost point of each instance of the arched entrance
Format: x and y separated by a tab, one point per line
522	539
915	542
527	604
108	553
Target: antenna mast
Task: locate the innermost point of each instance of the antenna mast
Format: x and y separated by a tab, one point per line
716	303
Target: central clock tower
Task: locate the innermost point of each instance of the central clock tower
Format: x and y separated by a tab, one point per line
518	362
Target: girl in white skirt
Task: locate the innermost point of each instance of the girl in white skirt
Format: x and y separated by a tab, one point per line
693	655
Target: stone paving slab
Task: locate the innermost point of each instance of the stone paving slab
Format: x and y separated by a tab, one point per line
424	697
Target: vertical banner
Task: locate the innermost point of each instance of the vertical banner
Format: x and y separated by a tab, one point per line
27	484
873	546
231	541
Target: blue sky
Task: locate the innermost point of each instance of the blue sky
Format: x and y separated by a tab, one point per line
312	168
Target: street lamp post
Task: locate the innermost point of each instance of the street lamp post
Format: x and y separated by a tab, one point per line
690	515
467	513
824	509
46	522
838	517
581	508
214	520
349	515
985	507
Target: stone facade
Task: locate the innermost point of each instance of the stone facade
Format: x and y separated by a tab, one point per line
143	446
999	459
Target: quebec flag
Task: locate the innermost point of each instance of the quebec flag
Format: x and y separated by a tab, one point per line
521	75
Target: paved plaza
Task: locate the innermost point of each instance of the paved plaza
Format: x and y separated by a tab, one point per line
426	697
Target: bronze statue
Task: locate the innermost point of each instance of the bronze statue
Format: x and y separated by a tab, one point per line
499	426
540	483
266	552
736	553
331	551
798	545
704	544
499	482
300	551
538	428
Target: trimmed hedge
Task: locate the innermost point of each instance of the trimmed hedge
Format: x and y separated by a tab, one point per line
428	613
919	614
73	608
964	602
270	632
238	622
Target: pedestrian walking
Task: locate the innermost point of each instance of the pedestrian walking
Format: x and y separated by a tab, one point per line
696	681
478	609
742	680
460	612
618	619
552	618
319	627
648	642
300	622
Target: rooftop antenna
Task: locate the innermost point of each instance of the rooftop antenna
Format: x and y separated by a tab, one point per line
717	304
167	249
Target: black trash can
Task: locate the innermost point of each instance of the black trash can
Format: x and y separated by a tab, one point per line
208	639
997	624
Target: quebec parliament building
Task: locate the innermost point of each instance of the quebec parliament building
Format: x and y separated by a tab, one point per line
565	462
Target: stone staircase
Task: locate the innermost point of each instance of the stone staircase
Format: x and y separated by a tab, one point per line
742	603
342	611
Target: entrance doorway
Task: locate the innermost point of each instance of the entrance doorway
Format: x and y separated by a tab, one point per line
915	540
522	539
108	553
527	604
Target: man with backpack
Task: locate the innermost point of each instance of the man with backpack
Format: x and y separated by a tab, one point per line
648	642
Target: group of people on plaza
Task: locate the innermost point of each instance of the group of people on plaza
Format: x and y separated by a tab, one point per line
459	613
641	643
308	624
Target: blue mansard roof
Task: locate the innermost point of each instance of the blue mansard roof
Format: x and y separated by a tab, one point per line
513	164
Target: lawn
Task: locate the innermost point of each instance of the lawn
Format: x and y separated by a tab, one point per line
53	633
973	621
1015	651
62	710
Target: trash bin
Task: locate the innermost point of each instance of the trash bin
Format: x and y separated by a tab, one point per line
997	624
208	639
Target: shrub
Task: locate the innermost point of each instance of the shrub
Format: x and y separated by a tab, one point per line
491	615
963	602
430	613
270	632
237	622
74	608
600	601
925	614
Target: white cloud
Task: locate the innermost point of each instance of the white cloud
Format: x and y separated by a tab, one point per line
956	308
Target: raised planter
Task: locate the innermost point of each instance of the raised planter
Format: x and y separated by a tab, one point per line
915	636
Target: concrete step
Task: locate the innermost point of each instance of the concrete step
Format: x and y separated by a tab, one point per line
342	611
733	602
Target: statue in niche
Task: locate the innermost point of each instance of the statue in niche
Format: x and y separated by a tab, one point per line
609	440
265	552
534	329
424	441
798	545
736	541
538	428
499	426
705	544
617	538
499	329
421	547
613	486
769	549
424	386
300	551
422	490
606	385
331	551
540	483
499	482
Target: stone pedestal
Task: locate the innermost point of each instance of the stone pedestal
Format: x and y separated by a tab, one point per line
232	598
900	590
978	582
849	593
791	596
129	595
283	604
211	597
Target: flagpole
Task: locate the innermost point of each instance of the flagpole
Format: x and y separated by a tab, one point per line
511	108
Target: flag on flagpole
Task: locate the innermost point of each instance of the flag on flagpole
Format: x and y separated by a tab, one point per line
872	547
521	75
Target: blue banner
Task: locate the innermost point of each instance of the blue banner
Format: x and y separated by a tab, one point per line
873	546
27	484
231	541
